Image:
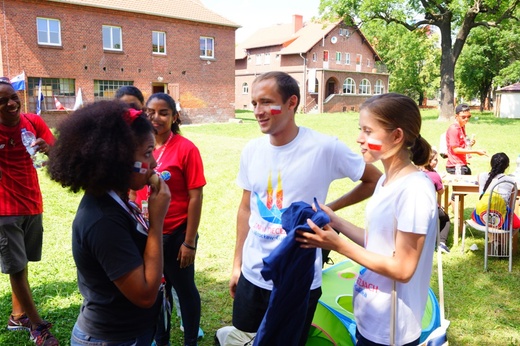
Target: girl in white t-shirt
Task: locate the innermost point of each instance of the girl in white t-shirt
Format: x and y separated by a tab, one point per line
396	246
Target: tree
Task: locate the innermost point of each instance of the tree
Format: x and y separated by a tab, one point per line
487	53
411	58
454	19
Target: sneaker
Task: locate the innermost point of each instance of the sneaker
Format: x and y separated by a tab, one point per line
443	248
41	336
22	323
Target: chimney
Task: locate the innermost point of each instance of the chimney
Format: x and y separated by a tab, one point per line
297	22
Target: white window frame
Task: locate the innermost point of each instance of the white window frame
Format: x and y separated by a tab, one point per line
245	88
314	57
379	87
364	87
267	58
43	26
206	53
352	85
158	37
338	57
115	33
347	58
368	62
258	59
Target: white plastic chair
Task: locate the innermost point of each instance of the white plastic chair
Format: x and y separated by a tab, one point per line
498	241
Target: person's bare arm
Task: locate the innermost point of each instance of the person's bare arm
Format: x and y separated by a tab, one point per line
244	211
400	267
362	191
141	285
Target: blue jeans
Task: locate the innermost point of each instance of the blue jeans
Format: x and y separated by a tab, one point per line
79	338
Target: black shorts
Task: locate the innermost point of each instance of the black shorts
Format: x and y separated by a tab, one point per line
251	303
21	239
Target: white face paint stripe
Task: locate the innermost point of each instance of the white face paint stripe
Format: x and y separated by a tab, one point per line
374	144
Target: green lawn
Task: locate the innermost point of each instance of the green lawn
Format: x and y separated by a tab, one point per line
484	308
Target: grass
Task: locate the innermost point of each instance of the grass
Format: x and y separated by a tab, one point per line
483	307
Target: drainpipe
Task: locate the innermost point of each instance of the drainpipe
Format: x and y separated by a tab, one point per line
303	101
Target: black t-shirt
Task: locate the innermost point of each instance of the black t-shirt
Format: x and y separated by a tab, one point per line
106	245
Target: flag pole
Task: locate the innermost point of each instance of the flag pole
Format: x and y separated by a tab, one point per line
25	92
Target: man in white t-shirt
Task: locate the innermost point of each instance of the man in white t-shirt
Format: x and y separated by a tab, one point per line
290	164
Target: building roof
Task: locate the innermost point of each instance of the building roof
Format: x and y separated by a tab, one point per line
511	88
191	10
293	42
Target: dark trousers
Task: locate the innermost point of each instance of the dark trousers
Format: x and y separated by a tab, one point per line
464	170
251	303
183	281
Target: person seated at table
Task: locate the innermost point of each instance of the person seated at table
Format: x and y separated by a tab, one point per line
499	164
444	219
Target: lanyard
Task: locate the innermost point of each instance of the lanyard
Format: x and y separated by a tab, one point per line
163	148
132	209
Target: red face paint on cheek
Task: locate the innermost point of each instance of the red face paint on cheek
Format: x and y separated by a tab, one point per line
374	144
275	110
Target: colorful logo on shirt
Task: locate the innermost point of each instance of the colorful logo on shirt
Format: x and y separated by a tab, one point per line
272	210
165	175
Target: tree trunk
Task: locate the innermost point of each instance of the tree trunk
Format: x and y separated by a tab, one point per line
447	101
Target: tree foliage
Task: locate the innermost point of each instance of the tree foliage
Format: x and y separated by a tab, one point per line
489	59
412	58
454	20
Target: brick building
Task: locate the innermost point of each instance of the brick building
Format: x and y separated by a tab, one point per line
178	47
335	65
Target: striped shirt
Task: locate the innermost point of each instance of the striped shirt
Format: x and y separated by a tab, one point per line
19	187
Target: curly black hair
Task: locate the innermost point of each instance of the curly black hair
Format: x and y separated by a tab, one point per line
95	148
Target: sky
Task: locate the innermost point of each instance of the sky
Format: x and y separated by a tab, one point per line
256	14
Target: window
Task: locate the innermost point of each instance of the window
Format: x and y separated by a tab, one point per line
258	59
106	89
158	42
52	86
338	57
314	57
49	31
267	58
368	62
245	89
64	88
112	39
364	87
347	58
379	88
206	47
359	58
325	55
349	86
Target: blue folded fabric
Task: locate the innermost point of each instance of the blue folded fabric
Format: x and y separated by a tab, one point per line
291	268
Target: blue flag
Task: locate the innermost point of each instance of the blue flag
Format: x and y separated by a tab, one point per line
40	98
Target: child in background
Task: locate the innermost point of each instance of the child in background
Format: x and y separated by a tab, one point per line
444	219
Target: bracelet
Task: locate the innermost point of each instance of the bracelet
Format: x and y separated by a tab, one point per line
194	248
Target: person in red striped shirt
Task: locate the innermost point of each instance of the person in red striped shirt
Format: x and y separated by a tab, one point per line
21	208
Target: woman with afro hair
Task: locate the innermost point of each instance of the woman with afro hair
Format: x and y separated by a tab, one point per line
105	149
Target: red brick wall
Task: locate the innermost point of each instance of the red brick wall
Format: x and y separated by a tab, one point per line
206	87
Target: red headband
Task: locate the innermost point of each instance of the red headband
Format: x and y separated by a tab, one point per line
130	115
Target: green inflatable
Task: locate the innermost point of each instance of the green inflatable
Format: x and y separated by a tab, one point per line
334	322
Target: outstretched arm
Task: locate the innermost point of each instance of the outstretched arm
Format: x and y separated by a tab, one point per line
362	191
